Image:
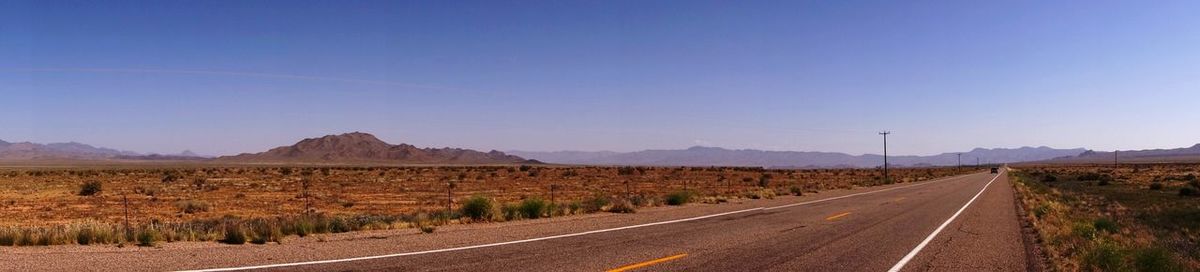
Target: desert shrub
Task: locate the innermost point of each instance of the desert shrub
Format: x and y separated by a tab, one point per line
1049	178
339	225
642	200
1041	210
9	236
796	191
1156	186
424	224
511	212
596	203
575	207
524	168
1187	191
1092	176
1105	257
533	208
190	206
1156	259
764	180
264	231
1085	230
90	188
679	198
170	177
622	206
478	208
761	194
1105	225
234	235
146	190
146	237
1104	182
303	227
84	236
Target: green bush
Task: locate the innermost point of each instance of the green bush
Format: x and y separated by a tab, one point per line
90	188
1106	257
478	208
679	198
796	191
1156	260
1156	186
533	208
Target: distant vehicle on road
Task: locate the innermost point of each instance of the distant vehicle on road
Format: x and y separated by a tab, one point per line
995	170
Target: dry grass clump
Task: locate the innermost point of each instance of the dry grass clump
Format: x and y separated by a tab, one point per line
191	206
1086	223
90	188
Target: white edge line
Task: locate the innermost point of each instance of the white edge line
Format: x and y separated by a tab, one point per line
571	234
913	253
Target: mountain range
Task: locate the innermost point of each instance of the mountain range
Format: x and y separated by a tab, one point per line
358	147
52	151
709	156
1187	154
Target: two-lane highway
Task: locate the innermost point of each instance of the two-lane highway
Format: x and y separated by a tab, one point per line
973	217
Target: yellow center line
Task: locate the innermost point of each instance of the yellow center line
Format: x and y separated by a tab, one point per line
647	263
835	217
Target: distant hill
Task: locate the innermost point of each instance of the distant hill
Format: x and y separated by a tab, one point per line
358	147
715	156
1187	154
57	151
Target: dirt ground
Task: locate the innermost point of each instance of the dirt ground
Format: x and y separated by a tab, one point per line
52	196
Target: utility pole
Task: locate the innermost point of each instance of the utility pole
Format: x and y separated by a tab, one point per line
959	160
976	161
1115	161
885	162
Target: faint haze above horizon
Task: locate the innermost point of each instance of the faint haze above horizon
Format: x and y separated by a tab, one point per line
222	78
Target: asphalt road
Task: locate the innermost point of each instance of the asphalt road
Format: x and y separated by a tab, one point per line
868	232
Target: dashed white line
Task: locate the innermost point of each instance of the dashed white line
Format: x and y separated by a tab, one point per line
913	253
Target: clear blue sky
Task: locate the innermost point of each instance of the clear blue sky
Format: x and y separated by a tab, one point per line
223	77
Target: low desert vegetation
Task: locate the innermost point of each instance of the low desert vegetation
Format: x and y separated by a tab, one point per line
90	188
260	205
1106	218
